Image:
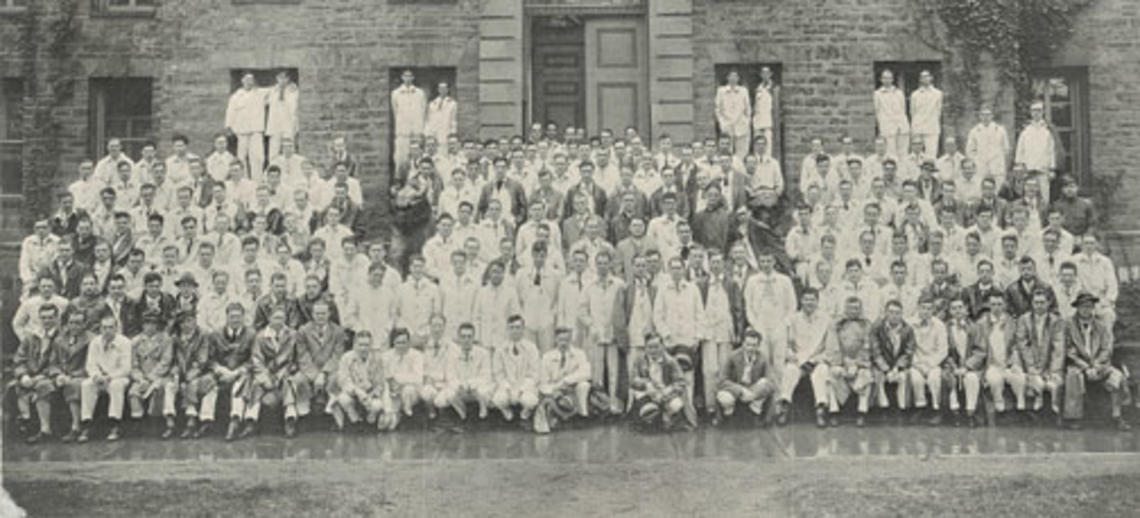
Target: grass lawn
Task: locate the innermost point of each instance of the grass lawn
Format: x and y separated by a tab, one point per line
1061	485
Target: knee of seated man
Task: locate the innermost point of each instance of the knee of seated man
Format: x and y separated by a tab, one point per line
270	399
528	400
118	383
725	398
674	405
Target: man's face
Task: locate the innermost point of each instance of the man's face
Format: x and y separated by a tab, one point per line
321	314
85	169
1040	304
1009	248
116	289
894	314
898	275
765	262
407	77
89	287
997	305
114	147
108	328
102	252
1027	270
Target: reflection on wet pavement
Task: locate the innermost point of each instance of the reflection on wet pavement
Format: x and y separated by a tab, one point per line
601	444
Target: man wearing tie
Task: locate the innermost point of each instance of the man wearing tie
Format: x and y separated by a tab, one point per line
467	375
744	379
516	371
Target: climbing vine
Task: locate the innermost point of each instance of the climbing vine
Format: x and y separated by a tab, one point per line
1019	35
47	43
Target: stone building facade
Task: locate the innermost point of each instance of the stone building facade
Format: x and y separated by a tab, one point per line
75	72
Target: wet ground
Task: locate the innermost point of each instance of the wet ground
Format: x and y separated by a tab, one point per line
615	443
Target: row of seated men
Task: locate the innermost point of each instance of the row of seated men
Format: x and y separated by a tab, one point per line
922	361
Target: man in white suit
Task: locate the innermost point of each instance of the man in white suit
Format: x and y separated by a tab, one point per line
284	113
442	117
245	117
409	107
734	113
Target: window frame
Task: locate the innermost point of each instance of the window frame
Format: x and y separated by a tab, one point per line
97	116
1079	153
15	144
105	8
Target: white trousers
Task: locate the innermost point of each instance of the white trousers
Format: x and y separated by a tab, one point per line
251	150
89	391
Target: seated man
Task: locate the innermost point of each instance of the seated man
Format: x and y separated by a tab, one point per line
996	332
657	387
364	383
929	355
1088	344
68	366
153	378
848	353
965	362
404	368
199	389
805	357
467	375
1042	354
744	379
232	347
892	349
108	372
564	384
435	364
320	344
275	365
516	370
32	373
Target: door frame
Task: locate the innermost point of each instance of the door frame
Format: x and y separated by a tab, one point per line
639	10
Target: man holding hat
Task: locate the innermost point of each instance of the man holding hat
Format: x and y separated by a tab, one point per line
1088	344
744	379
153	377
657	386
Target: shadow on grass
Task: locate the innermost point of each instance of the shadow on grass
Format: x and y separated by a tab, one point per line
981	495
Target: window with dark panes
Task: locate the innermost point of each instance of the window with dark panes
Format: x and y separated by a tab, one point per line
906	75
1065	94
121	108
749	79
11	136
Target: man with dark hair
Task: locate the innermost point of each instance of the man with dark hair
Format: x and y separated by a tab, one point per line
1019	294
32	371
1088	344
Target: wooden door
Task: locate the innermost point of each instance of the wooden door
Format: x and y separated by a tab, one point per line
558	73
617	76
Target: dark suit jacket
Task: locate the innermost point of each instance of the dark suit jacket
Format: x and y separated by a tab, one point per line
683	203
640	206
671	374
518	198
1096	353
552	198
1044	358
882	350
735	300
75	272
1020	299
733	369
595	192
273	359
1011	354
571	232
713	228
166	306
935	194
231	352
971	355
976	298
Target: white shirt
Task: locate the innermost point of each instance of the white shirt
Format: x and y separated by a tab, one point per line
677	312
418	299
1035	147
733	110
890	109
987	142
442	118
926	111
284	110
409	107
246	111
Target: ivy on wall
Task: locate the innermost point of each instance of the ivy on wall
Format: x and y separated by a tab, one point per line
1020	35
49	32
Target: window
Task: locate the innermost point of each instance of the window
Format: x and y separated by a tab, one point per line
1065	94
121	108
428	80
126	7
749	78
13	5
11	137
264	77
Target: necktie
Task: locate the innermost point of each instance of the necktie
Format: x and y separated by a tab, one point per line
747	378
562	362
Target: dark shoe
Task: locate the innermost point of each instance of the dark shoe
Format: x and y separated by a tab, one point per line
202	430
860	421
820	418
834	422
114	435
290	428
167	433
973	420
247	430
37	437
1122	425
936	420
83	437
70	436
782	416
191	425
231	431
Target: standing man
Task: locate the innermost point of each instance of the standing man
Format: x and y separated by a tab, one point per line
409	108
1035	146
108	371
734	113
765	111
890	112
926	113
442	117
988	146
245	117
284	112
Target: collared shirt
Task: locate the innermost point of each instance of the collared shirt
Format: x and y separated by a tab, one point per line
36	253
406	368
1035	147
987	142
418	299
109	358
409	107
733	110
468	368
926	112
890	108
999	352
245	113
807	332
930	339
677	313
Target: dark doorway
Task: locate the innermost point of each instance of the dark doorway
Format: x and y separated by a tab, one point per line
558	70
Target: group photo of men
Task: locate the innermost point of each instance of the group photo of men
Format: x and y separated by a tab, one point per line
561	278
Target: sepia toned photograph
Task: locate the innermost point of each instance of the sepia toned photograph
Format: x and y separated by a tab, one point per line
569	258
